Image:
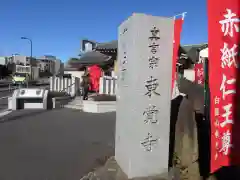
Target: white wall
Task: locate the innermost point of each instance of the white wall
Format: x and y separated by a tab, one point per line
189	74
77	74
3	61
88	47
203	53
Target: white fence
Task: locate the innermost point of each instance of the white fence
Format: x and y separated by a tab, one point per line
108	85
70	85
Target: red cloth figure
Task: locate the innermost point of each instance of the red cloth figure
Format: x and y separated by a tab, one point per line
95	73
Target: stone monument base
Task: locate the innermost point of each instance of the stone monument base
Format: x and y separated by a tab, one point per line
98	106
111	171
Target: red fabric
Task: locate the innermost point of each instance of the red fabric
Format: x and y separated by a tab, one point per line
177	36
223	77
199	74
95	73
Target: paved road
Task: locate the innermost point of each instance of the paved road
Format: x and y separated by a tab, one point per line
60	144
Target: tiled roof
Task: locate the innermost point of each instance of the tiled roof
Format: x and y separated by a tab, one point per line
191	50
188	47
107	45
114	45
92	57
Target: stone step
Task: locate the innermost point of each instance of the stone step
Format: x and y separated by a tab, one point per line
73	106
76	100
75	103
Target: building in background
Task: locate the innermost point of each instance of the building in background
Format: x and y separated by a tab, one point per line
105	55
46	63
20	63
22	60
3	67
3	60
49	64
59	67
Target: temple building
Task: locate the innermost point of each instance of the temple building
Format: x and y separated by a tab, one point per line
105	55
93	53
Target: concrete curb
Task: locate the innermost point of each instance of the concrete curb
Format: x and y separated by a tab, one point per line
7	84
33	83
5	90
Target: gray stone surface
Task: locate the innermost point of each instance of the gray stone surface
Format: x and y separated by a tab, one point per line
55	145
111	171
186	141
4	97
192	132
133	152
25	98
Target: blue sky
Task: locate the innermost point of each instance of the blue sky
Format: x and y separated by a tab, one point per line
57	26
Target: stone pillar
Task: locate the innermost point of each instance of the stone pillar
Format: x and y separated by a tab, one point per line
101	85
58	84
107	85
114	86
65	80
77	86
68	84
62	88
73	89
51	79
55	83
145	46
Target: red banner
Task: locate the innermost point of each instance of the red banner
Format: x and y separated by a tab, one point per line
199	74
224	34
177	37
